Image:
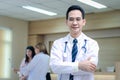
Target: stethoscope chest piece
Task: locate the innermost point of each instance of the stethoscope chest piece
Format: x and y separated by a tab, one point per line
65	54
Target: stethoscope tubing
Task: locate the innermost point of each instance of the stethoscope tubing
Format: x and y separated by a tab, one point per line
83	47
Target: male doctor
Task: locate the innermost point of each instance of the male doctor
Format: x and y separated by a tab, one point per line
75	56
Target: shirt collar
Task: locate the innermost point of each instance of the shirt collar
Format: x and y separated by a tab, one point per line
79	38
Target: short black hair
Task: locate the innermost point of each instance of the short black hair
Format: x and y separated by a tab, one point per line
75	7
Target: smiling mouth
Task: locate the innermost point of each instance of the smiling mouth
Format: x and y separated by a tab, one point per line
74	27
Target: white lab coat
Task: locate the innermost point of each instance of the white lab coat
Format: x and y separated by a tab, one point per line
61	59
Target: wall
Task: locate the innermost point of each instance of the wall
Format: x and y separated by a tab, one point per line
19	40
32	40
96	21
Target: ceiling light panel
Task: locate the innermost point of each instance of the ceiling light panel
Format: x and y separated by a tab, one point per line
40	10
93	4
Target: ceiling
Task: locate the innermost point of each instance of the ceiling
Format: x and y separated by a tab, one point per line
12	8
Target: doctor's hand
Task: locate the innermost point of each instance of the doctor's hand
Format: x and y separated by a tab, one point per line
87	65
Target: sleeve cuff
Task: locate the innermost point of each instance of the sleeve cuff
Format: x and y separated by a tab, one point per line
76	67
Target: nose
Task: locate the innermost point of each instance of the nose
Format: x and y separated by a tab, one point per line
75	21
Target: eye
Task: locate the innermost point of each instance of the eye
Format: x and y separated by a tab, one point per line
71	19
78	19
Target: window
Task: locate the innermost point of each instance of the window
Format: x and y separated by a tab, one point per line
5	52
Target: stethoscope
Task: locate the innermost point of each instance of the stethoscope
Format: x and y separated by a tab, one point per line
83	47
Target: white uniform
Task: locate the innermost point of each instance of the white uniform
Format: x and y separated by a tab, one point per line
61	58
37	68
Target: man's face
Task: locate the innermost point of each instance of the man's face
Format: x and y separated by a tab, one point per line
75	22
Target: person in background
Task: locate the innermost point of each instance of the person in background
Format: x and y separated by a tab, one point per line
38	67
75	56
30	53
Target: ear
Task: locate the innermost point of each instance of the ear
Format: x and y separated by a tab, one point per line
84	22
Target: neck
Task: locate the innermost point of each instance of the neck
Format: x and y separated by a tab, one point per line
30	59
75	35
